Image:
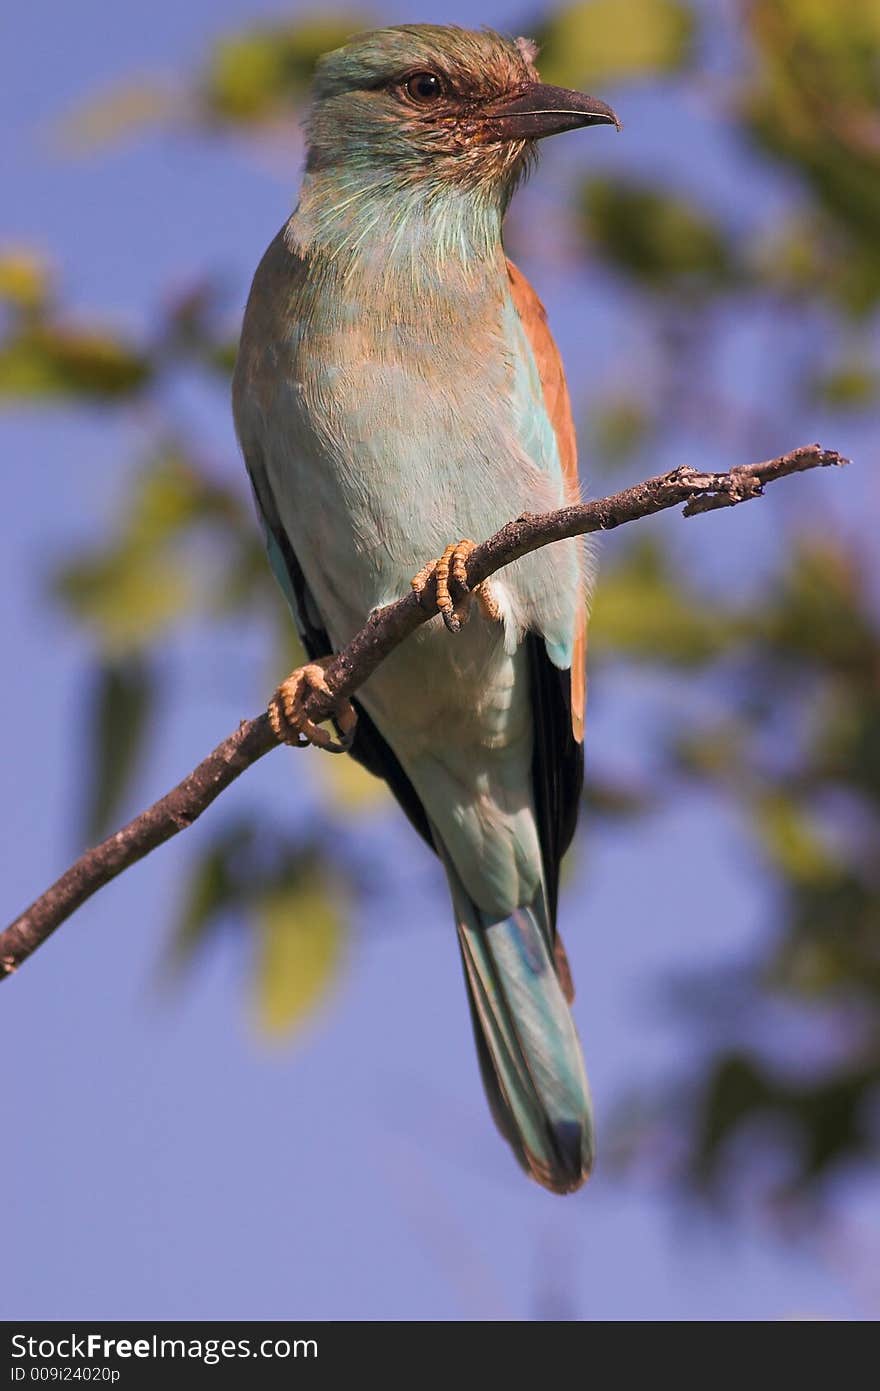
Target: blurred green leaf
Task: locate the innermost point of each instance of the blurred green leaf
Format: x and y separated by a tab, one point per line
798	748
172	494
659	239
301	938
222	355
288	897
828	1119
790	840
716	754
819	612
351	789
25	279
813	100
642	611
251	77
619	427
126	595
119	706
608	41
847	741
51	360
216	883
830	951
811	257
734	1092
133	588
852	386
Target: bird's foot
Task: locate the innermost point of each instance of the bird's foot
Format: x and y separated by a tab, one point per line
291	723
453	592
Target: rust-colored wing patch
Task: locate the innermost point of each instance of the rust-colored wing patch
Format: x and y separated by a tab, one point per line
534	319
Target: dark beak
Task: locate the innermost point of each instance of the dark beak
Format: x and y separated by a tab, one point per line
541	110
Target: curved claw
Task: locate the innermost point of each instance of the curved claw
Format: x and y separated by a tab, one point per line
451	566
453	594
291	723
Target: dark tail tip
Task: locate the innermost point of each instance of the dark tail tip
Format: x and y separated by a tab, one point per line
572	1163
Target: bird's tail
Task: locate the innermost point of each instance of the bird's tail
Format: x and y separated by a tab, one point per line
530	1055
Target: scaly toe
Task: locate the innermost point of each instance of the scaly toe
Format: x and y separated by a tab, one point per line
444	598
293	726
452	593
438	570
419	582
483	592
460	555
487	599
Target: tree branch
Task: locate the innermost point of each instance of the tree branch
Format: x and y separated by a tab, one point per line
350	668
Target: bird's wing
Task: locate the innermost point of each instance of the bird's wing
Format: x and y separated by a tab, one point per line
556	400
369	747
557	696
274	286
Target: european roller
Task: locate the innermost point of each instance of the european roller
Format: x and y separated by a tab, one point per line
398	396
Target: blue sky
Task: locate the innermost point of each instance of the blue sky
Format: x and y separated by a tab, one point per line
159	1159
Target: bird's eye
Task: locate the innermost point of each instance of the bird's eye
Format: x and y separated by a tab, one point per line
423	87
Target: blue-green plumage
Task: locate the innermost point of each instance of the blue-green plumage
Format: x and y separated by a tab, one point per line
388	400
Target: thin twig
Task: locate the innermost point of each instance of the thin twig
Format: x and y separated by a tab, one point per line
350	668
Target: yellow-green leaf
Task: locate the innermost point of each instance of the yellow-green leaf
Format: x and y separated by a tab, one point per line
792	841
50	360
128	591
301	935
642	611
126	595
850	386
24	279
219	880
663	240
607	41
812	100
350	787
120	705
253	75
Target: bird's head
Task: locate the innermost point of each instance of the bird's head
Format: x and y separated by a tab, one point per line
420	103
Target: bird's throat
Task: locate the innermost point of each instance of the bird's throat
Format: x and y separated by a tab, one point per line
423	233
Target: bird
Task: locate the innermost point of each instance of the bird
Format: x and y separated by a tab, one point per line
397	394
